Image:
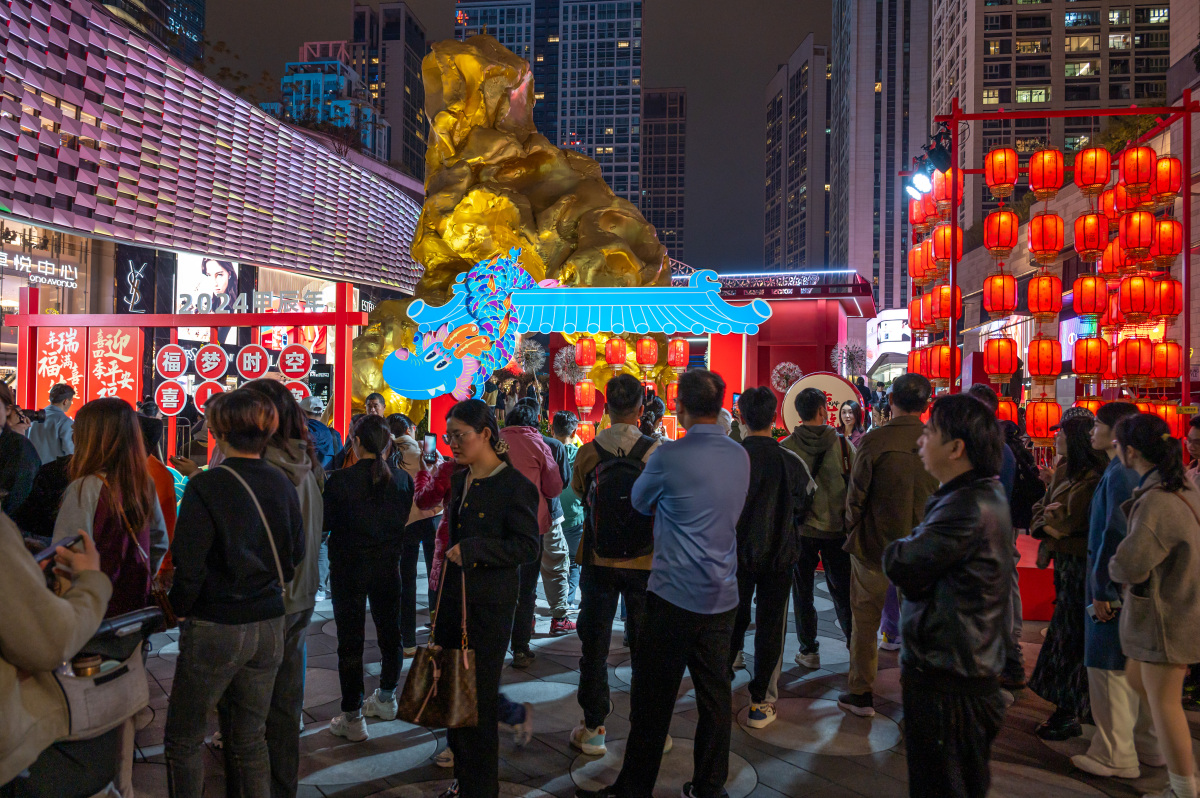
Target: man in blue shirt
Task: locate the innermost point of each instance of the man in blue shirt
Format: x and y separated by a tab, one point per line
696	488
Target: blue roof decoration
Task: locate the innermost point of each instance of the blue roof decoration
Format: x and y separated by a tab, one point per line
696	309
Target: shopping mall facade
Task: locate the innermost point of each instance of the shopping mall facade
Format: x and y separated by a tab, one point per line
132	184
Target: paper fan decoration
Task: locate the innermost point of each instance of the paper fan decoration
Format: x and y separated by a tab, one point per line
785	375
566	368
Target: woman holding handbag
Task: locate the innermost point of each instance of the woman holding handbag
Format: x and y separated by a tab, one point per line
112	498
1158	562
493	523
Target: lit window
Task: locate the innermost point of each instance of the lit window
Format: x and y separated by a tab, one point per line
553	39
878	87
608	131
539	95
991	96
1079	44
1118	16
1159	16
1079	69
622	45
1118	41
1038	95
540	58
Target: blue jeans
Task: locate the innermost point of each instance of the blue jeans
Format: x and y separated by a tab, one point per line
234	664
573	536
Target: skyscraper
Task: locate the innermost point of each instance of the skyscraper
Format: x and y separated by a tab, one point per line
1053	55
880	117
664	144
387	50
796	234
178	25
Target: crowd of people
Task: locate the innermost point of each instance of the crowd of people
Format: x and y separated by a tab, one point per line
911	505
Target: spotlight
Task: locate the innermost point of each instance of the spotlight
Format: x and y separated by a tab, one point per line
921	179
938	149
912	190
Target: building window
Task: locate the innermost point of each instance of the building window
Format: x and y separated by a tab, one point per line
997	22
1082	19
1079	69
1118	16
991	48
1118	41
1039	94
1075	143
991	96
1151	16
1082	44
1032	46
1153	40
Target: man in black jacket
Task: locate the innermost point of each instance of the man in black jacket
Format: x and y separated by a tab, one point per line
768	542
953	572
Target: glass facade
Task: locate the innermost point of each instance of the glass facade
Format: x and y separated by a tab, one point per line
664	146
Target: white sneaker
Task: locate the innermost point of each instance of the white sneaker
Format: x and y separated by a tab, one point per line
1094	766
375	707
353	729
444	759
739	662
589	741
887	643
811	661
761	716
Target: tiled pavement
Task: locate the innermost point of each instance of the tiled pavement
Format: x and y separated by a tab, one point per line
813	749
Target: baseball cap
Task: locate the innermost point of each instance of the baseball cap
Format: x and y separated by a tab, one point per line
312	404
1074	412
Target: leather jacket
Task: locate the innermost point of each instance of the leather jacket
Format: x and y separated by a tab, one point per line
955	574
767	533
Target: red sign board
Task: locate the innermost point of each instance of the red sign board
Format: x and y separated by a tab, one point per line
295	362
253	361
115	363
171	398
205	391
61	357
298	389
171	361
211	362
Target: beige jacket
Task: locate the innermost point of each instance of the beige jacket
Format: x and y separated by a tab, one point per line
38	632
1158	562
309	483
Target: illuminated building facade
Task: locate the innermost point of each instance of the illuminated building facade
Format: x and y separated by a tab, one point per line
663	167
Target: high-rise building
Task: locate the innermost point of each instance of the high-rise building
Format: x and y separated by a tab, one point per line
1050	56
177	25
880	116
664	144
387	50
796	233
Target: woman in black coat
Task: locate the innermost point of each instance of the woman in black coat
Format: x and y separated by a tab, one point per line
492	513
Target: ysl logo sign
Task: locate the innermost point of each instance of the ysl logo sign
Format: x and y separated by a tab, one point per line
134	296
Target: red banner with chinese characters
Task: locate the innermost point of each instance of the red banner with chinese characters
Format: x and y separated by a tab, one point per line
115	363
61	357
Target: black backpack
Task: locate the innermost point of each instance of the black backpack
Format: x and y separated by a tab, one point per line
618	531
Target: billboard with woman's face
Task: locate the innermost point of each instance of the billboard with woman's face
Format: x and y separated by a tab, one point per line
213	285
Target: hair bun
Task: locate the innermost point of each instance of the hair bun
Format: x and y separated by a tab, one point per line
500	446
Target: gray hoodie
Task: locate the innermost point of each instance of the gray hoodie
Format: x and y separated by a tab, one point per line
828	516
309	482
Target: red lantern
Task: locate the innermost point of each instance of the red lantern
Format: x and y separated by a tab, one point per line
917	266
1166	362
914	360
1093	168
942	188
1113	319
614	353
1167	243
999	294
672	395
1137	169
1045	237
1089	295
1124	201
939	363
585	353
1045	296
942	305
915	322
1000	359
1137	233
1115	261
1089	403
1091	236
586	431
649	385
585	396
1000	171
929	204
647	351
927	308
1045	358
1135	360
1168	295
1091	357
1168	179
1007	411
1040	415
917	218
677	353
1177	422
1137	298
1108	206
941	244
1000	233
1046	173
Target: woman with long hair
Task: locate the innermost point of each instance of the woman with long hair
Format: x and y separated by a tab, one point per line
19	461
112	498
1158	562
367	506
493	523
1061	521
850	421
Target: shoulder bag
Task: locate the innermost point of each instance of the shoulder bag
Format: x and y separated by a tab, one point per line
266	526
440	687
158	593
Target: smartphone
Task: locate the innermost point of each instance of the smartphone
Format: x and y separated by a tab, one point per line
49	551
1091	611
430	449
736	396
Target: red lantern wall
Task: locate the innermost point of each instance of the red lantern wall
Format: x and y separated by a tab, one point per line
999	294
1000	171
1091	236
1000	233
1044	296
1000	359
1046	173
1089	295
1093	167
1045	237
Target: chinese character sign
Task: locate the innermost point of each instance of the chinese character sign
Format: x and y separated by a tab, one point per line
211	362
61	357
836	389
295	362
115	363
253	361
170	397
298	389
171	361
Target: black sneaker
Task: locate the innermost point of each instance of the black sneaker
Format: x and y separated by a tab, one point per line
861	705
452	792
522	659
687	792
1059	727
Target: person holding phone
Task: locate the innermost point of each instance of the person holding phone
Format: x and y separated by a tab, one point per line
419	532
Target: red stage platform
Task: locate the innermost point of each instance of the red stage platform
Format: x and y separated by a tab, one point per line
1037	585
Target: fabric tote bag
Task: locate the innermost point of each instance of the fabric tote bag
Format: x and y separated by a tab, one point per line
440	690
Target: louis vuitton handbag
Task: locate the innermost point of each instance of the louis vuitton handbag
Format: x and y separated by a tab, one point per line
440	687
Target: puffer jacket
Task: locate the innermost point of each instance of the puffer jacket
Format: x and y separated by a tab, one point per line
955	573
309	482
828	516
768	537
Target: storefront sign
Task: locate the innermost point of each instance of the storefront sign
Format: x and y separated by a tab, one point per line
135	274
61	357
298	389
211	362
295	362
256	302
205	391
115	363
171	361
44	271
252	361
171	398
836	389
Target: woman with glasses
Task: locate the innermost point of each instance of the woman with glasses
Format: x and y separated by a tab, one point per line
492	513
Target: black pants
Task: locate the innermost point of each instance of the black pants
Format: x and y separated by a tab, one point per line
70	770
770	617
355	580
949	737
671	639
522	627
827	551
477	748
599	590
417	534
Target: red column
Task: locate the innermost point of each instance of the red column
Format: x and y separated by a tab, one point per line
439	406
1187	245
170	419
28	302
344	352
726	356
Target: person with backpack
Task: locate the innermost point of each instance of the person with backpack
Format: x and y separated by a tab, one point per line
696	489
768	541
830	458
615	553
885	501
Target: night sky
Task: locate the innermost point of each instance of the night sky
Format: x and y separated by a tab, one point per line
722	51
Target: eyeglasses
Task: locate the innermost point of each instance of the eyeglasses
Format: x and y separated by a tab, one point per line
451	438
